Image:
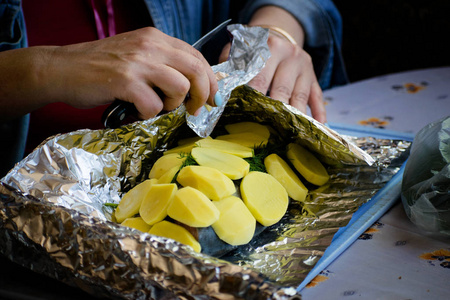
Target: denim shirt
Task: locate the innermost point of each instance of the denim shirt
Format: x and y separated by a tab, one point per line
319	18
13	134
189	20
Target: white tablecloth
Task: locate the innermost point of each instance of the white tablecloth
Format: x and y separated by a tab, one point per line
393	259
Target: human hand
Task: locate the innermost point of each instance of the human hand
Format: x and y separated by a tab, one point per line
289	76
146	67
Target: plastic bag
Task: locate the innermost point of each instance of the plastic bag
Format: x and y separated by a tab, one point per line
426	180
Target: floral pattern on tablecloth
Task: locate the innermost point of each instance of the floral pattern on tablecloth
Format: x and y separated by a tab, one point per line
439	257
390	260
404	102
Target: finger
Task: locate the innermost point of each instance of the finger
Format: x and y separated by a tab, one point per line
146	100
261	82
283	82
225	53
317	104
196	69
214	87
300	94
173	85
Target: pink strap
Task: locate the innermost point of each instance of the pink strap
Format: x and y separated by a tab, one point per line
98	21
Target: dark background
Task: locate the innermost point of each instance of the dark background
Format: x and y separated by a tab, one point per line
389	36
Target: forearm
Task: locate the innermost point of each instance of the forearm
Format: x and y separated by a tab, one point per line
23	88
278	17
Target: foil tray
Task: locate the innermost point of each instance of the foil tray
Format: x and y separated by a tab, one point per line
53	219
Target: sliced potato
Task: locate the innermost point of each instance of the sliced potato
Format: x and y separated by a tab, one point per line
213	183
191	140
248	139
282	172
307	164
169	175
136	223
236	224
175	232
184	148
265	197
232	166
154	207
165	163
253	127
191	207
131	202
227	147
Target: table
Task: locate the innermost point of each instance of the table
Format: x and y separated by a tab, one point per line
393	259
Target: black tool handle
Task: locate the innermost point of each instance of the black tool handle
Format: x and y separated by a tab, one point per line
117	112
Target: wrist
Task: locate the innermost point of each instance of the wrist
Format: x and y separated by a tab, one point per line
280	22
279	32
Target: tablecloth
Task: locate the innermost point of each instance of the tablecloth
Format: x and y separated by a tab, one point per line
393	259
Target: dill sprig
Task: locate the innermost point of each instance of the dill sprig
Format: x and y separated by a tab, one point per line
189	160
260	153
113	205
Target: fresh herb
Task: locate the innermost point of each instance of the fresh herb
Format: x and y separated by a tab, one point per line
189	160
260	153
113	205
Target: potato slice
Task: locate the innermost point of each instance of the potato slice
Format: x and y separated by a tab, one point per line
265	197
165	163
154	207
191	140
307	164
248	139
236	224
169	175
282	172
211	182
131	202
232	166
191	207
253	127
136	223
184	148
175	232
227	147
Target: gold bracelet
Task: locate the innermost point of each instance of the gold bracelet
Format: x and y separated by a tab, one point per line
280	32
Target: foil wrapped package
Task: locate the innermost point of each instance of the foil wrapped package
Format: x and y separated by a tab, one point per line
53	217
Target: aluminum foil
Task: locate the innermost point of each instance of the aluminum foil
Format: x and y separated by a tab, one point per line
53	219
248	55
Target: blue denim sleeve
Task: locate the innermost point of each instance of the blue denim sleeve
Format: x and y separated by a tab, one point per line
13	134
12	25
322	24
